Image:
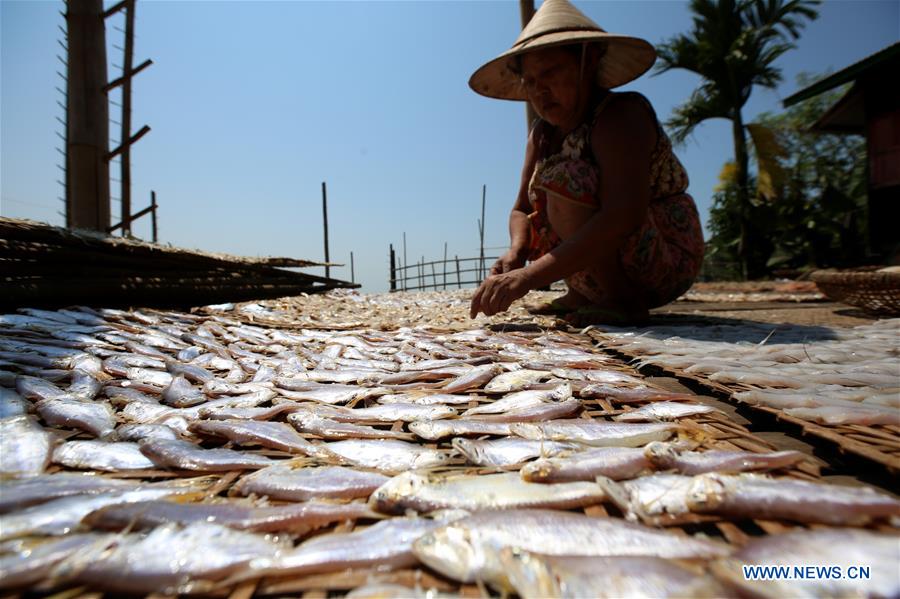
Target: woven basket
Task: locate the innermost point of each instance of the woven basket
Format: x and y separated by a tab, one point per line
873	289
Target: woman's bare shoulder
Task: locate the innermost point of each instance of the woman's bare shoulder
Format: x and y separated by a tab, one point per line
626	119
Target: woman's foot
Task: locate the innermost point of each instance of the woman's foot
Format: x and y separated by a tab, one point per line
589	315
560	306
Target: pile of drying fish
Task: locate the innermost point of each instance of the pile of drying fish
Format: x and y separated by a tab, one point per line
457	451
845	376
348	309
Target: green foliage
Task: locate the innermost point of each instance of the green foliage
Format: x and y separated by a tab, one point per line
814	213
733	46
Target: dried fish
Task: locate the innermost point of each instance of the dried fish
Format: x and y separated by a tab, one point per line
146	376
521	400
12	404
295	518
324	393
36	562
510	452
859	414
426	399
666	456
594	433
440	429
181	394
184	455
59	516
380	413
664	410
276	435
95	418
85	385
289	483
517	380
474	379
469	549
535	576
219	387
631	394
138	432
171	559
307	421
24	492
36	389
387	545
387	455
750	496
613	462
544	411
836	554
423	493
24	446
191	372
225	413
101	455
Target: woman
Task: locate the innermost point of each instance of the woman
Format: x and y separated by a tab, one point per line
602	201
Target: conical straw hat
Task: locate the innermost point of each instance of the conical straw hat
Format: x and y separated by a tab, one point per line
558	23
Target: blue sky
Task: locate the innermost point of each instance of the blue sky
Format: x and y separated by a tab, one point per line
253	104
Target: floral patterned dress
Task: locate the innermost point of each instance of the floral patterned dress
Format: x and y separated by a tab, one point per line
663	256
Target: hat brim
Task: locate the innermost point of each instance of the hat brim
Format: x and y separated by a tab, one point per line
626	59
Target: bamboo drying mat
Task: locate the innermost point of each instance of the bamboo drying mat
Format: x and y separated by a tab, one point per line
715	430
879	444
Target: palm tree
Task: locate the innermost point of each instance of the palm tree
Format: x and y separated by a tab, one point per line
733	46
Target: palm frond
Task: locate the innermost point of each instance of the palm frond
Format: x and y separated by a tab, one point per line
704	104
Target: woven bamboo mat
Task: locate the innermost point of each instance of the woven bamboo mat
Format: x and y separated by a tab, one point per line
878	444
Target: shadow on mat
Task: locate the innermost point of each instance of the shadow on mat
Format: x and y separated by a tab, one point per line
718	328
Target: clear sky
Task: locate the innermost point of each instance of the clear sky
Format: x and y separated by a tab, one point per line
253	104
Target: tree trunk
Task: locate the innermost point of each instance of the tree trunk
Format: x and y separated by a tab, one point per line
741	177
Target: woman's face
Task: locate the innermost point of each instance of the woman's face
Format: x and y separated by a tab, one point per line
551	81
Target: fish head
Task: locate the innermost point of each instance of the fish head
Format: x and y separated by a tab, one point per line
537	471
452	551
384	498
528	575
706	492
561	393
660	454
471	451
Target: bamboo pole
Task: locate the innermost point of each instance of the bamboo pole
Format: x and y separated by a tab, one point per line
393	270
526	11
352	269
458	280
87	116
125	161
153	203
481	234
325	226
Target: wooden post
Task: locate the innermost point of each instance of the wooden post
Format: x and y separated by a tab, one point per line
153	214
433	277
526	11
352	270
445	265
325	225
458	279
421	272
481	274
87	116
393	271
125	159
404	250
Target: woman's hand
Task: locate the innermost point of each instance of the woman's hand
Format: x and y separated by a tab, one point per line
498	292
511	260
